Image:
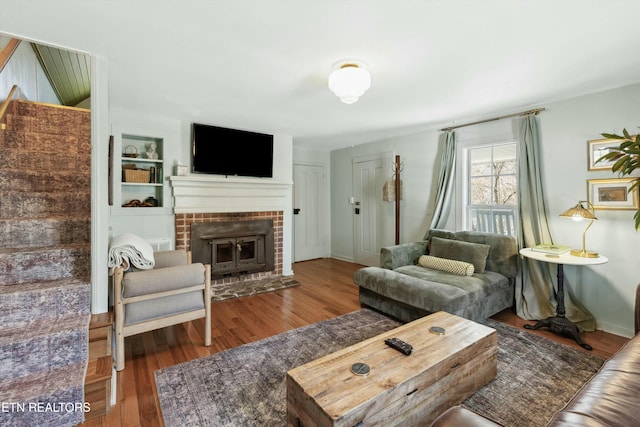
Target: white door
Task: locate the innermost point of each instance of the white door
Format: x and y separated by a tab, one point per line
372	216
309	212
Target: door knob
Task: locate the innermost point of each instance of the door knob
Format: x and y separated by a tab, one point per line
296	211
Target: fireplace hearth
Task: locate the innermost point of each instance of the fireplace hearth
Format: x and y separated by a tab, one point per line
234	247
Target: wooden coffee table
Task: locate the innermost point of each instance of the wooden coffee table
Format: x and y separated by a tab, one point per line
442	371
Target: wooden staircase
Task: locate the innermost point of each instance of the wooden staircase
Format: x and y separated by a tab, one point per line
45	265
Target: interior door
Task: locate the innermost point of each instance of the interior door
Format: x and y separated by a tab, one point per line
371	214
309	212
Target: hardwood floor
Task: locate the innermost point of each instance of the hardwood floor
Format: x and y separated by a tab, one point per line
326	290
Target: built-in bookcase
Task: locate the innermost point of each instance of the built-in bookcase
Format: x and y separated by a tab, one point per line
139	174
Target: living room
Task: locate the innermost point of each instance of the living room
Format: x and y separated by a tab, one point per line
571	117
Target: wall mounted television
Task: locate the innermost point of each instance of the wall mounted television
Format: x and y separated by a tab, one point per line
231	152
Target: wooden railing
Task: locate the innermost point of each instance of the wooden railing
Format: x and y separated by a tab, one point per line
493	220
4	108
5	54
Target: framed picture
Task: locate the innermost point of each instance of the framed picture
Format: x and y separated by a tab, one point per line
612	193
598	148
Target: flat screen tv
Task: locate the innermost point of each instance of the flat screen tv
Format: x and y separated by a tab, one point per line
231	152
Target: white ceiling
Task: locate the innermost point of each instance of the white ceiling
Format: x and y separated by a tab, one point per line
262	65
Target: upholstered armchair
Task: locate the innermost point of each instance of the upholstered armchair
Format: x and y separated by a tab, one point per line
174	291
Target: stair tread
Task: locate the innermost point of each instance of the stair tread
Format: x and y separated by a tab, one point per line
51	217
99	370
42	285
42	327
41	384
41	249
101	320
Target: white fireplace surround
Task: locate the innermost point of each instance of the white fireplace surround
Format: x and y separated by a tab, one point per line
206	193
195	194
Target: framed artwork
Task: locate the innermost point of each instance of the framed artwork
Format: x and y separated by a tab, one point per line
598	148
612	193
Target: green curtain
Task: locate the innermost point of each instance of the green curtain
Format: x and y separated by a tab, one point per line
535	292
445	180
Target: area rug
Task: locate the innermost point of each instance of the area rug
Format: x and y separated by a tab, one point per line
245	386
251	287
536	378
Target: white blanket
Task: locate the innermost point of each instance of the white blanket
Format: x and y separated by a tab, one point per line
130	250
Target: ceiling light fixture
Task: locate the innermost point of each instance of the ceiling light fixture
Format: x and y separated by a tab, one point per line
349	80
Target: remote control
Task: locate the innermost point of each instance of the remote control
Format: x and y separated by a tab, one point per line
399	345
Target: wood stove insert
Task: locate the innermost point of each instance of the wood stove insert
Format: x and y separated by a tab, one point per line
234	247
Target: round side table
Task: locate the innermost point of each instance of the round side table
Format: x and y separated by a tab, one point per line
559	324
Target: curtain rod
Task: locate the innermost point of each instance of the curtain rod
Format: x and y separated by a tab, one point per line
524	113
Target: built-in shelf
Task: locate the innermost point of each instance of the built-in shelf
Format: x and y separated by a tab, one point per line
140	178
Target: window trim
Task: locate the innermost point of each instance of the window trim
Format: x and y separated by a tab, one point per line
462	177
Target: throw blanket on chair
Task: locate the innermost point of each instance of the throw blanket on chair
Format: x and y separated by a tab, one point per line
129	250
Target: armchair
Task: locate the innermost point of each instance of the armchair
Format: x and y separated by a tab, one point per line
174	291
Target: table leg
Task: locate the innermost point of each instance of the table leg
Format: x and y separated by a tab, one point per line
559	324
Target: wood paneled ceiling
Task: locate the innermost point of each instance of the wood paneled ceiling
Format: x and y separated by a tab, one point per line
68	72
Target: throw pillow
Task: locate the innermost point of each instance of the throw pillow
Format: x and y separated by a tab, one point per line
473	253
460	268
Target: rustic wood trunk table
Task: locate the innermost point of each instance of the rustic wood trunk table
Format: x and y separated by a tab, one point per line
442	371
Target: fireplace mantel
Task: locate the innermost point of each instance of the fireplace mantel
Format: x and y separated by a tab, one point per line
206	193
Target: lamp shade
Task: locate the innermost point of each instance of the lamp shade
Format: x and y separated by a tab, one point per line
349	81
578	212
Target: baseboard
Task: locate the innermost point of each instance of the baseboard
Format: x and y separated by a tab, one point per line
342	258
614	329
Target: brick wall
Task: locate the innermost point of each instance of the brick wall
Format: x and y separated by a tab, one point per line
183	235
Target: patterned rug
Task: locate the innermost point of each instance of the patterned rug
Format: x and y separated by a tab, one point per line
244	386
251	287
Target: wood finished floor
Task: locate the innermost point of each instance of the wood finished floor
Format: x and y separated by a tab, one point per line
326	291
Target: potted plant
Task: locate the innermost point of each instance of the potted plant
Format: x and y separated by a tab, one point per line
626	158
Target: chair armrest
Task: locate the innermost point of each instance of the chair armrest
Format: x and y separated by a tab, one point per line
392	257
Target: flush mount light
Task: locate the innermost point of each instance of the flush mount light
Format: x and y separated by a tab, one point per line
349	80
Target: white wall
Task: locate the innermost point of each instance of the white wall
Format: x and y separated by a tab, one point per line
606	290
177	142
418	154
160	223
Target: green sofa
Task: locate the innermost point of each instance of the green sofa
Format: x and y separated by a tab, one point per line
406	290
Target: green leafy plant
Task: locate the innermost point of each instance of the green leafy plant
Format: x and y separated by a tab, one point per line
626	158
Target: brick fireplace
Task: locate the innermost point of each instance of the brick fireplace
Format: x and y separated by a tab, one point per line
183	235
200	199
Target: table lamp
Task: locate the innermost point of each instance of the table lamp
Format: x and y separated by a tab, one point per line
579	213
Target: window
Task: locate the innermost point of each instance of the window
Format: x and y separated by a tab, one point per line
492	188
